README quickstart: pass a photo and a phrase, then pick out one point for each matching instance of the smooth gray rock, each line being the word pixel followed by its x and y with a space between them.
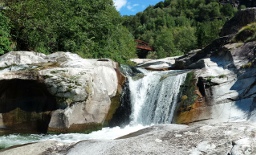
pixel 199 139
pixel 221 138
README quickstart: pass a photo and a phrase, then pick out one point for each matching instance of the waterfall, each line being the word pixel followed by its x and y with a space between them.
pixel 150 98
pixel 154 96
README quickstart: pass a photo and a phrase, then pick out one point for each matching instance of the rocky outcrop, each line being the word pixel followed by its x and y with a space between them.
pixel 225 88
pixel 221 138
pixel 156 65
pixel 75 93
pixel 226 81
pixel 241 19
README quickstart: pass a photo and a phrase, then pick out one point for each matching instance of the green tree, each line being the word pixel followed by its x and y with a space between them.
pixel 188 23
pixel 5 43
pixel 227 10
pixel 79 26
pixel 164 44
pixel 184 38
pixel 120 45
pixel 207 32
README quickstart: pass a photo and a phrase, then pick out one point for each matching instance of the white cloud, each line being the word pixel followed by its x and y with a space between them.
pixel 119 4
pixel 131 7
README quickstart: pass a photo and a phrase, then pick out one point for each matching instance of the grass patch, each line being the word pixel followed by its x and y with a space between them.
pixel 248 65
pixel 222 76
pixel 246 33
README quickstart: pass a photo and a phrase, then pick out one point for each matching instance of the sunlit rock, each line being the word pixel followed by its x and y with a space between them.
pixel 46 147
pixel 225 81
pixel 223 88
pixel 207 139
pixel 157 65
pixel 79 89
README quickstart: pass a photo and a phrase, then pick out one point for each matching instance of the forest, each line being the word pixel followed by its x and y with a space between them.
pixel 94 29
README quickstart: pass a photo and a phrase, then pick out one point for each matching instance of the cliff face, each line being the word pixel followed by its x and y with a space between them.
pixel 225 87
pixel 62 90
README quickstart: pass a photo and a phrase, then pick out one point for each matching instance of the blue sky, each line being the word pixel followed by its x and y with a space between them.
pixel 131 7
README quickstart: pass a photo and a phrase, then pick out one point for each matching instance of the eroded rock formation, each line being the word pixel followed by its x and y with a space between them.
pixel 74 94
pixel 224 71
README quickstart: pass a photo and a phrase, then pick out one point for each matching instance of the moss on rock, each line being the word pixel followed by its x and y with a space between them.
pixel 115 103
pixel 246 33
pixel 191 99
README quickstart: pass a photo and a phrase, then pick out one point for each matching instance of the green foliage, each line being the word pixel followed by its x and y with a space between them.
pixel 222 76
pixel 152 55
pixel 174 27
pixel 246 33
pixel 5 43
pixel 248 3
pixel 90 28
pixel 247 65
pixel 120 45
pixel 188 96
pixel 184 38
pixel 207 31
pixel 209 78
pixel 164 44
pixel 94 29
pixel 227 10
pixel 242 7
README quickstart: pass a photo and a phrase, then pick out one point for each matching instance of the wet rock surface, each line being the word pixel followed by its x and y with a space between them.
pixel 221 138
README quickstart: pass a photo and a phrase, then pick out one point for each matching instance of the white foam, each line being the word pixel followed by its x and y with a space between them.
pixel 105 133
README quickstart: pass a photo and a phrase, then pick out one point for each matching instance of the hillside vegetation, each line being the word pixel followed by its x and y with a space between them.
pixel 94 29
pixel 178 26
pixel 90 28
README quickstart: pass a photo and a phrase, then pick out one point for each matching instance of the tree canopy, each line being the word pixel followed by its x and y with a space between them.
pixel 5 42
pixel 94 29
pixel 175 27
pixel 86 27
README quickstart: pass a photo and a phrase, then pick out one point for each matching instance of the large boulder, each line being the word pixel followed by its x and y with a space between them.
pixel 224 85
pixel 223 78
pixel 75 93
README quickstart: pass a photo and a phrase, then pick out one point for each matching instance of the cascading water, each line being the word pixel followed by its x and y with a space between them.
pixel 154 96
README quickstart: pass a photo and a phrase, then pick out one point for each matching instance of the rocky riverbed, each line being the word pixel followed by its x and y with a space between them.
pixel 237 138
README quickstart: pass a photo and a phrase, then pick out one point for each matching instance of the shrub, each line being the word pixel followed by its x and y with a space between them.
pixel 5 43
